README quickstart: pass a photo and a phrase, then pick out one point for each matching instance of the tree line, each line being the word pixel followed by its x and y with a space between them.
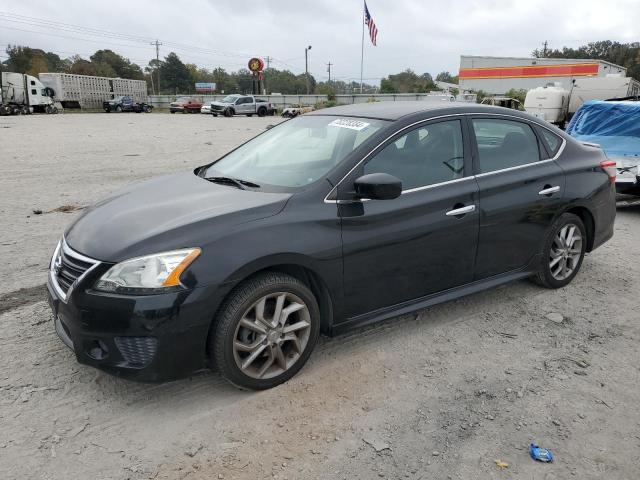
pixel 175 76
pixel 624 54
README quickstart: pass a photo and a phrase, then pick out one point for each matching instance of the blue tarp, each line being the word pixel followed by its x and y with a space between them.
pixel 615 126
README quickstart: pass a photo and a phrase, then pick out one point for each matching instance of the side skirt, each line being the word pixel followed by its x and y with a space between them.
pixel 434 299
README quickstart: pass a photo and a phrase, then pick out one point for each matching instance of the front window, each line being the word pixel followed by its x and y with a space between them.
pixel 427 155
pixel 183 100
pixel 230 99
pixel 297 152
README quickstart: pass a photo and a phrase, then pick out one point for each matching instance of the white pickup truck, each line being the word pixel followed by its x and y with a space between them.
pixel 242 105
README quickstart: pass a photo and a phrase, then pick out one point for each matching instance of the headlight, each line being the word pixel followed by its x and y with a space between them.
pixel 150 274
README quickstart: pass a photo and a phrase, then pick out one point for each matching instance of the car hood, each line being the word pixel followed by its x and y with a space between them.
pixel 614 146
pixel 166 213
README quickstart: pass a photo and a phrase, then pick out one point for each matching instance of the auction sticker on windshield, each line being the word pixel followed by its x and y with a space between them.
pixel 349 123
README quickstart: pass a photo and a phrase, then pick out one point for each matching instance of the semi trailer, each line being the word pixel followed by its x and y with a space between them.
pixel 85 91
pixel 22 94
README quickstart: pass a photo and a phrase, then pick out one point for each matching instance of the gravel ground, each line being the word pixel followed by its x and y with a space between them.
pixel 441 394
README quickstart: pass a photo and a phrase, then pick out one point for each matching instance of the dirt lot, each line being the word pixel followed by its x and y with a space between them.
pixel 442 394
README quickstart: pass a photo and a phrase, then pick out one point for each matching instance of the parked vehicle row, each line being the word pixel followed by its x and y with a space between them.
pixel 332 220
pixel 125 103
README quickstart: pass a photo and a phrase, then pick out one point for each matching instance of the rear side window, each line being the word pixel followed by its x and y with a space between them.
pixel 504 144
pixel 552 140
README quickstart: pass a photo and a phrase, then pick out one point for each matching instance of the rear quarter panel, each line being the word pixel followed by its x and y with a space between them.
pixel 587 185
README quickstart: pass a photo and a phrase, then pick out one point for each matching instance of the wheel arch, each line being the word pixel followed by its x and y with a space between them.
pixel 299 267
pixel 585 214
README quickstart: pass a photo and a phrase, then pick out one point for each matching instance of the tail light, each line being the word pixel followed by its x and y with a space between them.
pixel 609 167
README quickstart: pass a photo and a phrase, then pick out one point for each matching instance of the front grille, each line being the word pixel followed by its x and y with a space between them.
pixel 67 267
pixel 137 351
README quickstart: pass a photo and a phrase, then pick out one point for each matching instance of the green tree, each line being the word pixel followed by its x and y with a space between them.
pixel 174 75
pixel 517 94
pixel 122 67
pixel 224 82
pixel 80 66
pixel 446 77
pixel 407 82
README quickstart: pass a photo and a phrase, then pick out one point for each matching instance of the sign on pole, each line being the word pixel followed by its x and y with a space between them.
pixel 205 87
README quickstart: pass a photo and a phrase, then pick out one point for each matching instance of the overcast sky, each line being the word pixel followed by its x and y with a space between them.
pixel 426 36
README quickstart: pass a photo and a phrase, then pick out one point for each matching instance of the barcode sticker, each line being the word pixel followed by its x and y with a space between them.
pixel 349 123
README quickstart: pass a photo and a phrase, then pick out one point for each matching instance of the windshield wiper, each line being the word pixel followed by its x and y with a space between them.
pixel 241 184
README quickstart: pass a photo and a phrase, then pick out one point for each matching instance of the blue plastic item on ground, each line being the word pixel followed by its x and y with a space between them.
pixel 540 454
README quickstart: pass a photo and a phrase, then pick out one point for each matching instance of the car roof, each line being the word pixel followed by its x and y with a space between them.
pixel 388 110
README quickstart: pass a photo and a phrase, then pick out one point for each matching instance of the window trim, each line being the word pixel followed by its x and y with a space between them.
pixel 544 141
pixel 463 116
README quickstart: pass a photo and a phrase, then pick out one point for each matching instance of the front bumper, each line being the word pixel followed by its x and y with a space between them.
pixel 146 338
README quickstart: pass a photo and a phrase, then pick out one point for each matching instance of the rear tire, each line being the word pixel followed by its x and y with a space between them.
pixel 563 252
pixel 251 341
pixel 262 112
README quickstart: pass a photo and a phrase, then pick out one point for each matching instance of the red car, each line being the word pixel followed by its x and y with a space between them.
pixel 185 105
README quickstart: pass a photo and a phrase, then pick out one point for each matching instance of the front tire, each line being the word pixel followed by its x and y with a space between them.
pixel 228 112
pixel 119 109
pixel 563 252
pixel 265 331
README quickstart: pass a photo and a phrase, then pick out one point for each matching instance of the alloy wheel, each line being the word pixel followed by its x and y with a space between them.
pixel 271 335
pixel 566 251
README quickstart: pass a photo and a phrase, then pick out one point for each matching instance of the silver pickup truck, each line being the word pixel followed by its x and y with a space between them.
pixel 242 105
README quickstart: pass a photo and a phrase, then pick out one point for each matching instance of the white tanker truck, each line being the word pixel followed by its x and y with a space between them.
pixel 557 105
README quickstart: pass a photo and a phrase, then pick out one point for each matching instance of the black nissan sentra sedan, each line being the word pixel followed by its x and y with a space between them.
pixel 333 220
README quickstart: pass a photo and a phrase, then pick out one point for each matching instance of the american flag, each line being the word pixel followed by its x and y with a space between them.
pixel 373 30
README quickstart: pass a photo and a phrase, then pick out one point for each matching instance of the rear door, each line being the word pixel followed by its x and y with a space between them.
pixel 401 249
pixel 520 191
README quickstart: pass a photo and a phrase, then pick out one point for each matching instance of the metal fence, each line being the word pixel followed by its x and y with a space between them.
pixel 163 101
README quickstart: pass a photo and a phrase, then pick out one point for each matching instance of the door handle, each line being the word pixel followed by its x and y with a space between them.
pixel 549 190
pixel 461 211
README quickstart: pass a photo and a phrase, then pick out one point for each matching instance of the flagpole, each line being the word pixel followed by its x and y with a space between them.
pixel 362 47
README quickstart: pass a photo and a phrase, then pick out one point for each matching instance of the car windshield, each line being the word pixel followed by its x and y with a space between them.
pixel 183 99
pixel 296 152
pixel 230 99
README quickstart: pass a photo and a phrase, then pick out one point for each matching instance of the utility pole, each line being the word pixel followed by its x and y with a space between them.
pixel 544 50
pixel 306 66
pixel 329 70
pixel 157 43
pixel 268 58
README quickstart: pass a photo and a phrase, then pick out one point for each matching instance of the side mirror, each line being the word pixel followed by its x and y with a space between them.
pixel 378 186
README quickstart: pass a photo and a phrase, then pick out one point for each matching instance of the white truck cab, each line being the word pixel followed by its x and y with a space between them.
pixel 23 94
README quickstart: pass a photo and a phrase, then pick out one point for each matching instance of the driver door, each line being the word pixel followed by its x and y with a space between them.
pixel 398 250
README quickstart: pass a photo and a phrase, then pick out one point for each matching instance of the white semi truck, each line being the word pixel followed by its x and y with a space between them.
pixel 557 105
pixel 85 91
pixel 22 94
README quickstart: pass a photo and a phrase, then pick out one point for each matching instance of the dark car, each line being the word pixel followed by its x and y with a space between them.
pixel 125 103
pixel 330 221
